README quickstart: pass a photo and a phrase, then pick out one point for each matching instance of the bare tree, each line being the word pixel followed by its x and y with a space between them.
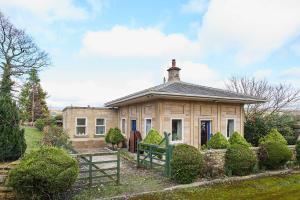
pixel 18 53
pixel 281 96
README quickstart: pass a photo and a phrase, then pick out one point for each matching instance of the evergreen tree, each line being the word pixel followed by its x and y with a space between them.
pixel 12 141
pixel 32 99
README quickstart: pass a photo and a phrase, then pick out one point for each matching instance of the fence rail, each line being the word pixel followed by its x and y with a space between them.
pixel 155 156
pixel 95 168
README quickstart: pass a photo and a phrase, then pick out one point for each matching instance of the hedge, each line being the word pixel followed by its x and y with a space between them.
pixel 218 141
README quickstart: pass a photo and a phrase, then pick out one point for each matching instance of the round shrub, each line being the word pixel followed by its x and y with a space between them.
pixel 40 124
pixel 236 138
pixel 273 136
pixel 240 160
pixel 274 155
pixel 43 174
pixel 114 136
pixel 153 137
pixel 186 163
pixel 298 151
pixel 218 141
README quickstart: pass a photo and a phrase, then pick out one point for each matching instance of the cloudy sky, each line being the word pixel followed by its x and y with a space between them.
pixel 103 49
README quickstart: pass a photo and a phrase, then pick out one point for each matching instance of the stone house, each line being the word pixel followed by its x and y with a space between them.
pixel 191 113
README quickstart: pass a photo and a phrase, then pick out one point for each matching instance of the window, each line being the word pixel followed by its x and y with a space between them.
pixel 230 127
pixel 100 126
pixel 81 126
pixel 177 130
pixel 123 126
pixel 148 125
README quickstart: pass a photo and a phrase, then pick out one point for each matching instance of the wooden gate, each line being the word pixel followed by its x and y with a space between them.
pixel 98 168
pixel 156 156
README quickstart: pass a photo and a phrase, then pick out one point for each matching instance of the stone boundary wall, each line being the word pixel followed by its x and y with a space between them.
pixel 214 160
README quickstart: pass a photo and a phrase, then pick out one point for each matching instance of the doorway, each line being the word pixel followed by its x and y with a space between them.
pixel 205 131
pixel 133 125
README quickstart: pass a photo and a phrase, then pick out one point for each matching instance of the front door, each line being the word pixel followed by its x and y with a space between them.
pixel 205 131
pixel 133 125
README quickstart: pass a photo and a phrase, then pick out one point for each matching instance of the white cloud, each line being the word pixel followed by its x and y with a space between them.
pixel 262 73
pixel 48 9
pixel 121 41
pixel 250 29
pixel 293 72
pixel 195 6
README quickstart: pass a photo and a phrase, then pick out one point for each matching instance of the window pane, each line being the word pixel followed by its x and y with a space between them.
pixel 148 125
pixel 230 127
pixel 176 129
pixel 81 121
pixel 100 121
pixel 100 130
pixel 80 130
pixel 123 125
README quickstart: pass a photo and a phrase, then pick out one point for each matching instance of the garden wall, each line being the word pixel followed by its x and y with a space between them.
pixel 214 160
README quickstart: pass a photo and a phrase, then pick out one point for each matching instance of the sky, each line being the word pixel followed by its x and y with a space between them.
pixel 104 49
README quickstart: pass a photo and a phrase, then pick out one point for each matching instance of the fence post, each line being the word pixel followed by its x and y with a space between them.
pixel 90 171
pixel 138 153
pixel 118 167
pixel 150 156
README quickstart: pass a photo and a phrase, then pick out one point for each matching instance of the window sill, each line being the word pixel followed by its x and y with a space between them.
pixel 99 136
pixel 80 136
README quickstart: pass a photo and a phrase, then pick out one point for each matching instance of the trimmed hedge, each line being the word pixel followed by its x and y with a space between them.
pixel 186 163
pixel 240 160
pixel 114 136
pixel 44 174
pixel 218 141
pixel 274 155
pixel 273 136
pixel 237 138
pixel 153 137
pixel 298 151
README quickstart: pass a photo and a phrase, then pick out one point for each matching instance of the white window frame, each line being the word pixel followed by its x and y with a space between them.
pixel 227 126
pixel 145 123
pixel 86 127
pixel 122 126
pixel 100 125
pixel 182 131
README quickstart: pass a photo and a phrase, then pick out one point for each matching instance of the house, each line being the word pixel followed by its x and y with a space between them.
pixel 191 113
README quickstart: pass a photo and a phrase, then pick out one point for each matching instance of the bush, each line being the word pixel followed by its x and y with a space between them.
pixel 298 151
pixel 114 136
pixel 12 140
pixel 186 163
pixel 274 155
pixel 236 138
pixel 153 137
pixel 218 141
pixel 240 160
pixel 40 124
pixel 55 136
pixel 43 174
pixel 273 136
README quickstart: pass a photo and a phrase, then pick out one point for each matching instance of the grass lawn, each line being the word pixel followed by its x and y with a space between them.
pixel 279 187
pixel 33 137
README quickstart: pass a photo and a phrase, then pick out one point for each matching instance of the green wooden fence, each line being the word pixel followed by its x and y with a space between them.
pixel 92 170
pixel 156 156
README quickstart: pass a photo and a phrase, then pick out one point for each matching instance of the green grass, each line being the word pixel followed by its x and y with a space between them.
pixel 279 187
pixel 33 137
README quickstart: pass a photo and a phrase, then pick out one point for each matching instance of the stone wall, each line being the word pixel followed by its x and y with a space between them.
pixel 214 160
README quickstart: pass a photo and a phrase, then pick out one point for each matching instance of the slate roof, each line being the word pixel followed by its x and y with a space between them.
pixel 184 89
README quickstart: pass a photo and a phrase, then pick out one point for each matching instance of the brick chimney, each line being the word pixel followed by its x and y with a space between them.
pixel 173 72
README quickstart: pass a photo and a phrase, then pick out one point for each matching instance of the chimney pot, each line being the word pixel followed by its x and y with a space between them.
pixel 173 72
pixel 173 63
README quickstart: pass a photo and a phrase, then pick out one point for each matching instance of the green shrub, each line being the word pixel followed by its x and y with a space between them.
pixel 186 163
pixel 12 140
pixel 240 160
pixel 298 151
pixel 218 141
pixel 274 154
pixel 114 137
pixel 55 136
pixel 44 174
pixel 40 124
pixel 273 136
pixel 236 138
pixel 153 137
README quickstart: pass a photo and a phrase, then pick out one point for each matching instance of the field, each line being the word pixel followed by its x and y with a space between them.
pixel 33 137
